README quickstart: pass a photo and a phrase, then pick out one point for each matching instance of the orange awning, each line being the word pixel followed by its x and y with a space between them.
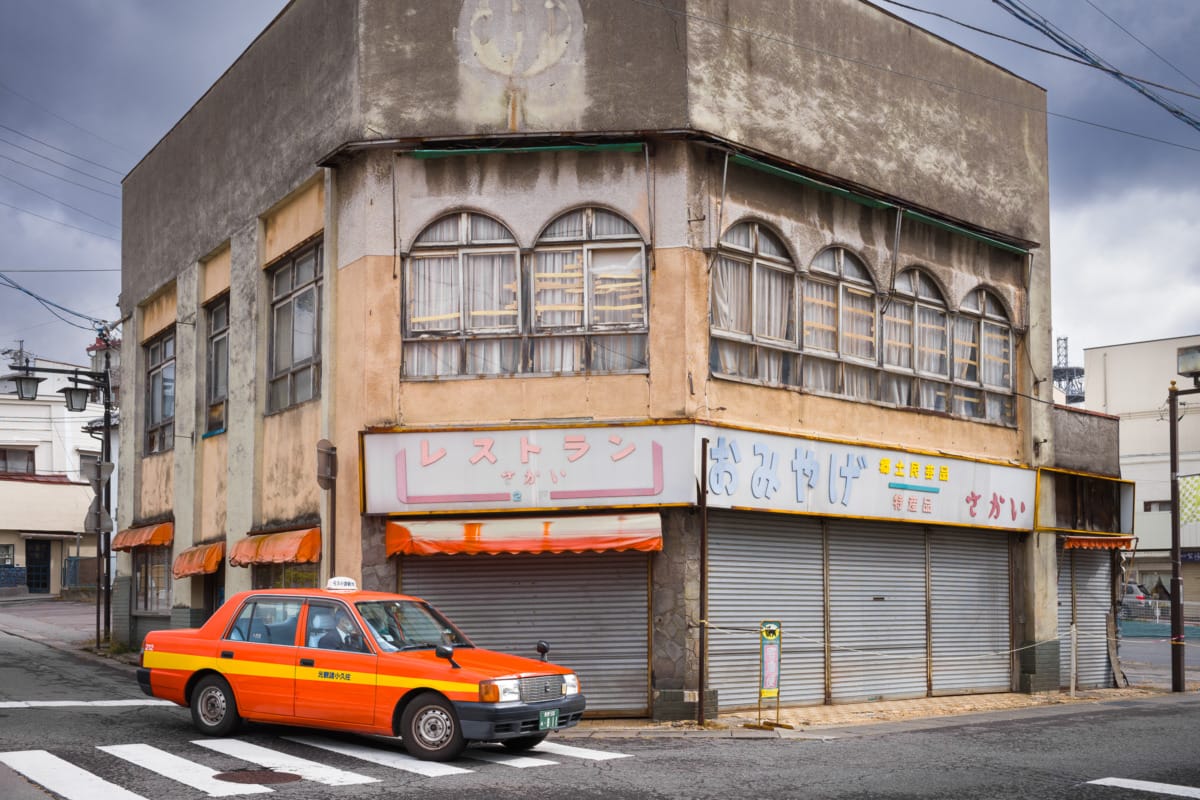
pixel 149 536
pixel 203 559
pixel 529 535
pixel 1098 543
pixel 291 547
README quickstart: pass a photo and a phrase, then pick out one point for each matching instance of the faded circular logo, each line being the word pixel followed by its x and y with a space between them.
pixel 519 38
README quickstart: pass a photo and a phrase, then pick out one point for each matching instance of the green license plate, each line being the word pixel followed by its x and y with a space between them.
pixel 548 719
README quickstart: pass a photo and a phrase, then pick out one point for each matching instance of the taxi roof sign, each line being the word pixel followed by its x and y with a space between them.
pixel 342 584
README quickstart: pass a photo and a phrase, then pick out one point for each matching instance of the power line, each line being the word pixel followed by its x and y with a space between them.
pixel 59 269
pixel 61 118
pixel 59 177
pixel 891 71
pixel 56 221
pixel 60 202
pixel 54 307
pixel 1148 47
pixel 114 184
pixel 60 150
pixel 1044 50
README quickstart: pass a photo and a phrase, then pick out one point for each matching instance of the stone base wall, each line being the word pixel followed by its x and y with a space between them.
pixel 1040 668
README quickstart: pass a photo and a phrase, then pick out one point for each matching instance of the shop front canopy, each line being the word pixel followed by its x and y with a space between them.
pixel 148 536
pixel 289 547
pixel 1097 542
pixel 595 533
pixel 203 559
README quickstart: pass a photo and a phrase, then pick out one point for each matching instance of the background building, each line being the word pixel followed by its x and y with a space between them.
pixel 624 345
pixel 1131 381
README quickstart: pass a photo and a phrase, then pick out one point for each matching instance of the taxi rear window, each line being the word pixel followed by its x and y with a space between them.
pixel 266 621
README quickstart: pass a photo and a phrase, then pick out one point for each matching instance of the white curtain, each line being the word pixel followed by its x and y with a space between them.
pixel 966 349
pixel 558 354
pixel 433 291
pixel 617 286
pixel 620 353
pixel 931 341
pixel 731 295
pixel 968 402
pixel 430 359
pixel 858 323
pixel 821 375
pixel 997 355
pixel 443 231
pixel 490 292
pixel 558 289
pixel 492 356
pixel 862 383
pixel 896 389
pixel 933 395
pixel 568 226
pixel 820 316
pixel 486 229
pixel 609 224
pixel 774 304
pixel 898 336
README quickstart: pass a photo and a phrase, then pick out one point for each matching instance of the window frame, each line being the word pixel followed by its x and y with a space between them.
pixel 30 454
pixel 216 395
pixel 8 554
pixel 151 591
pixel 160 430
pixel 308 366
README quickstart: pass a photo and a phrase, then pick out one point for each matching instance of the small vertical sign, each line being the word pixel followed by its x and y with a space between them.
pixel 770 636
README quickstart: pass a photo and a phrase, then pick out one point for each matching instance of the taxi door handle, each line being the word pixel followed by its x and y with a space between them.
pixel 226 654
pixel 306 662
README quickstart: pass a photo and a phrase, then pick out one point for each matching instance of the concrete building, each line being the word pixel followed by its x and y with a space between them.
pixel 43 492
pixel 620 325
pixel 1131 381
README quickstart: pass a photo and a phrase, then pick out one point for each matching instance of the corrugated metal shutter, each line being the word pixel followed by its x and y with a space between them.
pixel 876 611
pixel 1093 596
pixel 591 607
pixel 764 567
pixel 969 606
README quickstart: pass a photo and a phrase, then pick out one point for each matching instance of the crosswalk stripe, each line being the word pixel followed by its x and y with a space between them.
pixel 1149 786
pixel 273 759
pixel 82 703
pixel 179 769
pixel 62 777
pixel 498 757
pixel 554 748
pixel 378 755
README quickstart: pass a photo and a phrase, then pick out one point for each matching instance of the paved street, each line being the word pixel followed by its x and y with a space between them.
pixel 75 726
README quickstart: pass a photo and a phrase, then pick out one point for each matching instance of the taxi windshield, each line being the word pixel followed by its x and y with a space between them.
pixel 409 625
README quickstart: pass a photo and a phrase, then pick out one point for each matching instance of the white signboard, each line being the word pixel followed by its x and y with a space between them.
pixel 538 468
pixel 649 465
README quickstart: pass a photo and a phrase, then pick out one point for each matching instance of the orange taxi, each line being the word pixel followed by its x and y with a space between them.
pixel 369 662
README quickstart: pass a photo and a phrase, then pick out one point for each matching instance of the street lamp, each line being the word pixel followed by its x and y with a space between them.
pixel 1188 365
pixel 83 383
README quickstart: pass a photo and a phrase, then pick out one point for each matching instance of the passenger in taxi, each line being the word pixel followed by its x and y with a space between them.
pixel 344 636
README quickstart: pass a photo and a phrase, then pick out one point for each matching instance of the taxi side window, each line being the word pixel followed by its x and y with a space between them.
pixel 267 621
pixel 331 627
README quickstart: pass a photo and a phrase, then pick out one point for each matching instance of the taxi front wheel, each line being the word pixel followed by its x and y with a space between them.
pixel 214 711
pixel 429 729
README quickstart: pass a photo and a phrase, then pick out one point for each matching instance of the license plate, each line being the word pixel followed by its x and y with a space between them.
pixel 548 719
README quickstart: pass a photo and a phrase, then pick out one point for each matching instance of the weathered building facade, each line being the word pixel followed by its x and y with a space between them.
pixel 629 326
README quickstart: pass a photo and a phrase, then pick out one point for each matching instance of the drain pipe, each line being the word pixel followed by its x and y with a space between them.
pixel 702 682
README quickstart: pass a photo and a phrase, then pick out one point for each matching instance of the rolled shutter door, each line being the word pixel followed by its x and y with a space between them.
pixel 764 567
pixel 876 612
pixel 591 607
pixel 1093 600
pixel 971 623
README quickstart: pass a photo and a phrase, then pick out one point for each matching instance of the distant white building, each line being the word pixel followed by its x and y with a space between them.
pixel 1131 381
pixel 43 491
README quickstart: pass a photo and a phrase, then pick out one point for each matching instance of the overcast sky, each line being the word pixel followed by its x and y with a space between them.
pixel 93 84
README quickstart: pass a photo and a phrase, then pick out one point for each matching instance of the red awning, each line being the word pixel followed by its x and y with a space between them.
pixel 528 535
pixel 1098 543
pixel 203 559
pixel 292 547
pixel 149 536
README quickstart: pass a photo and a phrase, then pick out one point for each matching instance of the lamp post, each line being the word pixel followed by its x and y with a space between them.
pixel 1189 367
pixel 83 383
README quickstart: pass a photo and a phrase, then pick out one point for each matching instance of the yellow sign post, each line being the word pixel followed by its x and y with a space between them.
pixel 770 645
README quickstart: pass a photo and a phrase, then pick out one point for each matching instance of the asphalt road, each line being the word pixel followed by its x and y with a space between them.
pixel 63 724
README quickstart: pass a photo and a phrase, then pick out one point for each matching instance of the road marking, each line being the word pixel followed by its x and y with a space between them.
pixel 282 762
pixel 554 748
pixel 1148 786
pixel 79 703
pixel 62 777
pixel 381 756
pixel 499 757
pixel 179 769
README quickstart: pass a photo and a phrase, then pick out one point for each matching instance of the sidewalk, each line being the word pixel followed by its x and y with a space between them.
pixel 71 626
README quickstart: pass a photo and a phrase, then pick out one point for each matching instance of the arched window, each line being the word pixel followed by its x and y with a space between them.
pixel 462 309
pixel 983 379
pixel 588 285
pixel 753 308
pixel 839 326
pixel 916 344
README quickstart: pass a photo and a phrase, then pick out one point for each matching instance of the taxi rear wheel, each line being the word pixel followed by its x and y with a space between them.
pixel 525 742
pixel 429 729
pixel 214 710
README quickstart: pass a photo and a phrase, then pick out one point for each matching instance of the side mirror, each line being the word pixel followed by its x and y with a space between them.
pixel 447 652
pixel 543 647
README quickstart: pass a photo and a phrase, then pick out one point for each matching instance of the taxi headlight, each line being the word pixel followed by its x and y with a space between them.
pixel 499 691
pixel 570 684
